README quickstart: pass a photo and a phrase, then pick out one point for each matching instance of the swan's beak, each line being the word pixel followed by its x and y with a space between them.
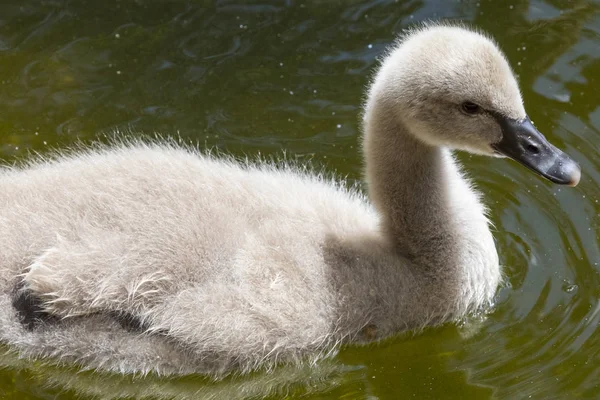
pixel 522 142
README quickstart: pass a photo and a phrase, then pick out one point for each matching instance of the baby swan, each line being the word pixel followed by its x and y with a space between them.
pixel 151 257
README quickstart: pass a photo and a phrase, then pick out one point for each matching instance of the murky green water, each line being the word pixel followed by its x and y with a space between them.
pixel 290 75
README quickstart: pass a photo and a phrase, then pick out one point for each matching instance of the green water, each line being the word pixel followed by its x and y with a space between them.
pixel 267 77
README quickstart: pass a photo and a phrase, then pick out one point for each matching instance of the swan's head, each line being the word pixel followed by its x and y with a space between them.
pixel 453 87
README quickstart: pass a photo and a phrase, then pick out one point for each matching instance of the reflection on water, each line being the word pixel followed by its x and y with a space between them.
pixel 290 75
pixel 281 382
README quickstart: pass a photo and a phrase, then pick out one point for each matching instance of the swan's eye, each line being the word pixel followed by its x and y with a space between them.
pixel 470 108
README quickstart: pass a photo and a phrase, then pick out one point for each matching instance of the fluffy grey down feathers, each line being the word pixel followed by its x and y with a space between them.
pixel 154 257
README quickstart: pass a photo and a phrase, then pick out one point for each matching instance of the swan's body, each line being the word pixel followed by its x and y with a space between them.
pixel 157 258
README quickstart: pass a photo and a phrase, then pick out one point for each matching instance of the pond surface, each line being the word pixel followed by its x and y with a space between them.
pixel 269 77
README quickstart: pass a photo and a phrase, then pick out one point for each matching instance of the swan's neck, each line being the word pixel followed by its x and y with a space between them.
pixel 406 184
pixel 429 212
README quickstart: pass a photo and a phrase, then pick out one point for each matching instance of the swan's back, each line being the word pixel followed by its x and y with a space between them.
pixel 157 192
pixel 247 237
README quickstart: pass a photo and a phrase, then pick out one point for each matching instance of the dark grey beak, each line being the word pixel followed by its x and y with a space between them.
pixel 522 142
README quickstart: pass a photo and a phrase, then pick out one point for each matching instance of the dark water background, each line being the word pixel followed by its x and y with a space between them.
pixel 289 75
